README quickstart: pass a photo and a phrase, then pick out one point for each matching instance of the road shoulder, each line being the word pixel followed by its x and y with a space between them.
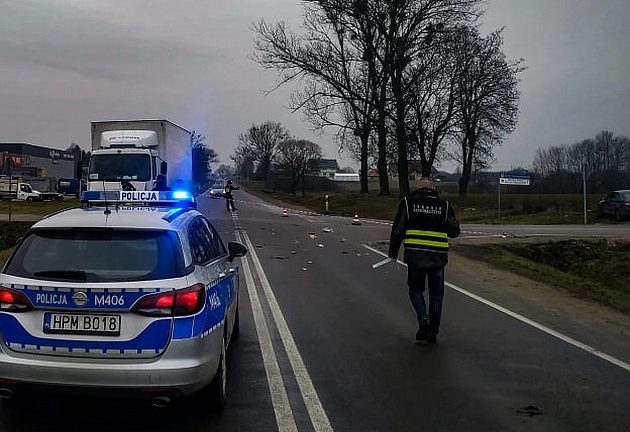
pixel 595 325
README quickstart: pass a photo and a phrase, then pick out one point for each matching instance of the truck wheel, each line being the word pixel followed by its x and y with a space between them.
pixel 29 199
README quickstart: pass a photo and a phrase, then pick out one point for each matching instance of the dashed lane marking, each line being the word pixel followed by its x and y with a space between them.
pixel 545 329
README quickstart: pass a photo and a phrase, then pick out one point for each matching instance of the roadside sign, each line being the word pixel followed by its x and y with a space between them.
pixel 514 180
pixel 511 180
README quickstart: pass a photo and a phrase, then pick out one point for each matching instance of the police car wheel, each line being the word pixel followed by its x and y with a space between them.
pixel 218 386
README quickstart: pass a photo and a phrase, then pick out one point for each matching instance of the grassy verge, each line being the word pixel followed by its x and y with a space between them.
pixel 4 255
pixel 9 235
pixel 597 270
pixel 37 208
pixel 478 208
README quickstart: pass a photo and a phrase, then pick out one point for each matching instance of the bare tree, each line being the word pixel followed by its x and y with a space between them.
pixel 412 25
pixel 336 58
pixel 202 159
pixel 296 156
pixel 260 143
pixel 488 96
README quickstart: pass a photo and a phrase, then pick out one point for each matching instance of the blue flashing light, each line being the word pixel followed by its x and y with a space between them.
pixel 181 195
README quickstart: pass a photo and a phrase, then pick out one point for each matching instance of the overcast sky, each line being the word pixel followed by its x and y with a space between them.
pixel 64 63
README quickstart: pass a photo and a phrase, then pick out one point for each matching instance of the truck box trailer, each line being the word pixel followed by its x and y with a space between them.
pixel 136 152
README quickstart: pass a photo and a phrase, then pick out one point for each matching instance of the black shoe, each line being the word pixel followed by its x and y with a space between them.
pixel 421 336
pixel 423 328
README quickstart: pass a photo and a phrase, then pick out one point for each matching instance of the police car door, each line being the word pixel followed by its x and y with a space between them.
pixel 213 270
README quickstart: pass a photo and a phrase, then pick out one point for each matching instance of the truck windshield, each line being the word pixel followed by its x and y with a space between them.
pixel 98 255
pixel 117 167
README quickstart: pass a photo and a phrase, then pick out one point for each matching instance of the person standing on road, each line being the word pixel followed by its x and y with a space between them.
pixel 229 198
pixel 160 184
pixel 424 222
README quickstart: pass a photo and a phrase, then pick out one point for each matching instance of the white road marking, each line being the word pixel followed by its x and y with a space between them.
pixel 316 412
pixel 279 399
pixel 567 339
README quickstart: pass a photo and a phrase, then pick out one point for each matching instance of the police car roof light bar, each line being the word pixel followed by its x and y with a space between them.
pixel 180 199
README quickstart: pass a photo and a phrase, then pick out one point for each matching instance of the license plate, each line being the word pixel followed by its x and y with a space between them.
pixel 62 323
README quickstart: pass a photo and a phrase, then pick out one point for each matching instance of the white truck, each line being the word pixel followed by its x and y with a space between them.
pixel 15 188
pixel 136 152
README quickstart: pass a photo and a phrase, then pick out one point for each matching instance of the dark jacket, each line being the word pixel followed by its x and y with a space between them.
pixel 227 191
pixel 441 217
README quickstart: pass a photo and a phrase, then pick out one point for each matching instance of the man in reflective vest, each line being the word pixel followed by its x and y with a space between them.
pixel 227 193
pixel 424 223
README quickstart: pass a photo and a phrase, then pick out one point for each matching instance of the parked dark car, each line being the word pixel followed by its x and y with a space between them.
pixel 617 204
pixel 70 186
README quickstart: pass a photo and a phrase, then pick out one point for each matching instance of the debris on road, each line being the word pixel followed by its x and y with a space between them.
pixel 530 411
pixel 309 262
pixel 344 253
pixel 279 258
pixel 328 230
pixel 312 235
pixel 343 240
pixel 304 269
pixel 259 246
pixel 319 245
pixel 293 252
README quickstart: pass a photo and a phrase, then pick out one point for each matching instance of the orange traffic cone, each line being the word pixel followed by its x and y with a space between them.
pixel 285 212
pixel 356 220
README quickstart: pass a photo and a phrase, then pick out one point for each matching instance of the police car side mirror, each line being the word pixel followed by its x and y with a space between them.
pixel 236 250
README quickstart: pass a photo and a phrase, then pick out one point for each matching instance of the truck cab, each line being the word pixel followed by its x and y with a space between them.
pixel 126 157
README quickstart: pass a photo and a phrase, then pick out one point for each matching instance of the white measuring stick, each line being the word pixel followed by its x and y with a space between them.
pixel 382 263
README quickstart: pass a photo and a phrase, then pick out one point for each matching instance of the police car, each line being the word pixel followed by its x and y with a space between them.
pixel 135 293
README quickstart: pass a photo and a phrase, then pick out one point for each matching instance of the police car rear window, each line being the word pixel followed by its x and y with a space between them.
pixel 98 255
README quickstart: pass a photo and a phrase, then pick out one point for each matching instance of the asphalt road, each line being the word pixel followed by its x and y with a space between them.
pixel 327 343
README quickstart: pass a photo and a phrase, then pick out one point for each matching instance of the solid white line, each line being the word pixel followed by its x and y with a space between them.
pixel 279 399
pixel 316 412
pixel 567 339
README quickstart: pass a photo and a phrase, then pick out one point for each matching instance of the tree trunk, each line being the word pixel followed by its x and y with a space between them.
pixel 383 180
pixel 294 183
pixel 365 138
pixel 401 136
pixel 466 168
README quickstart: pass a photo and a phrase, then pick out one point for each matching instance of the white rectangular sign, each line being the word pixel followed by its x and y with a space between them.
pixel 141 196
pixel 514 181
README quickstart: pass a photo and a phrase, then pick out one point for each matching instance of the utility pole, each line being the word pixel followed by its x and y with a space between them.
pixel 584 189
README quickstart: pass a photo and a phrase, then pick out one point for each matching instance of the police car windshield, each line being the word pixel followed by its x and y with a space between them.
pixel 117 167
pixel 98 255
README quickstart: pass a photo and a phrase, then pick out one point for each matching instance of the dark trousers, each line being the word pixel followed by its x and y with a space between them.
pixel 229 201
pixel 416 279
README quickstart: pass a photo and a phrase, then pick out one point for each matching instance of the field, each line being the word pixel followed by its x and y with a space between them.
pixel 597 270
pixel 516 208
pixel 37 208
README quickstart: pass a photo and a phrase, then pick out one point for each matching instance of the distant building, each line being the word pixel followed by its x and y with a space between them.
pixel 34 161
pixel 326 168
